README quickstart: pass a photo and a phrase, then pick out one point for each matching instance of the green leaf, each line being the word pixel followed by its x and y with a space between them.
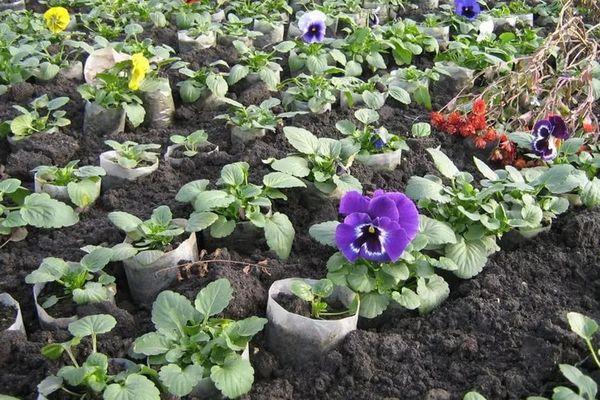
pixel 162 215
pixel 296 166
pixel 22 125
pixel 41 211
pixel 399 94
pixel 96 259
pixel 180 382
pixel 83 193
pixel 279 233
pixel 135 113
pixel 92 325
pixel 373 304
pixel 302 140
pixel 189 191
pixel 214 298
pixel 421 129
pixel 250 326
pixel 9 185
pixel 422 188
pixel 586 385
pixel 436 232
pixel 407 299
pixel 280 180
pixel 50 270
pixel 217 85
pixel 302 290
pixel 93 292
pixel 151 344
pixel 473 396
pixel 222 227
pixel 171 312
pixel 124 221
pixel 590 195
pixel 234 174
pixel 485 170
pixel 135 387
pixel 199 221
pixel 211 199
pixel 324 232
pixel 443 163
pixel 582 325
pixel 469 256
pixel 533 215
pixel 367 116
pixel 432 292
pixel 234 378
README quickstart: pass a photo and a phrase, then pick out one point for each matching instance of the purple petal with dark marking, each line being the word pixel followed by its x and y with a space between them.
pixel 560 129
pixel 353 202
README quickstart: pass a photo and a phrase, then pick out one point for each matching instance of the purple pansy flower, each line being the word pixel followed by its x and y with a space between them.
pixel 545 133
pixel 380 137
pixel 467 8
pixel 312 25
pixel 377 228
pixel 374 17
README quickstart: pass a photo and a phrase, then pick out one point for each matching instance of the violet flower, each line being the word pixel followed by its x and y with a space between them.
pixel 469 9
pixel 312 25
pixel 545 133
pixel 374 17
pixel 377 228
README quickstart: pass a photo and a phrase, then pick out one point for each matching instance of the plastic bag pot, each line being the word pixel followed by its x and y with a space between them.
pixel 206 388
pixel 512 22
pixel 100 121
pixel 210 102
pixel 227 41
pixel 12 5
pixel 253 78
pixel 73 72
pixel 439 33
pixel 177 161
pixel 58 192
pixel 459 80
pixel 22 144
pixel 219 16
pixel 188 43
pixel 271 34
pixel 357 100
pixel 297 105
pixel 381 10
pixel 17 324
pixel 243 136
pixel 49 322
pixel 159 105
pixel 381 162
pixel 296 339
pixel 147 281
pixel 244 239
pixel 100 60
pixel 115 172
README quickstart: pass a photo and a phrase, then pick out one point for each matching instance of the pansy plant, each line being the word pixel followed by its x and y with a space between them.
pixel 202 82
pixel 45 116
pixel 355 91
pixel 547 135
pixel 238 28
pixel 312 26
pixel 406 41
pixel 261 64
pixel 191 143
pixel 379 243
pixel 93 377
pixel 132 155
pixel 257 117
pixel 368 138
pixel 316 295
pixel 148 240
pixel 82 184
pixel 323 161
pixel 468 9
pixel 407 85
pixel 363 46
pixel 83 282
pixel 315 92
pixel 307 57
pixel 191 343
pixel 238 200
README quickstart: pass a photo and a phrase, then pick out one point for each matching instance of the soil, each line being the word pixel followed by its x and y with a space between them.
pixel 298 306
pixel 64 308
pixel 502 333
pixel 7 316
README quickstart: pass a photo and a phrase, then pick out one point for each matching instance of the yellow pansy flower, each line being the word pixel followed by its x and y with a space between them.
pixel 57 19
pixel 141 66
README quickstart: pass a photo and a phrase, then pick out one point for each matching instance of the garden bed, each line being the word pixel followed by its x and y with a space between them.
pixel 502 333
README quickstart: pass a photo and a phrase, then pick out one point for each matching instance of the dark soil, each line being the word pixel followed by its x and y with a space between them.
pixel 502 333
pixel 301 307
pixel 7 316
pixel 64 308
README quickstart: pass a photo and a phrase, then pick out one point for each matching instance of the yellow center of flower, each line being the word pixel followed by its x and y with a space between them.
pixel 57 19
pixel 371 229
pixel 140 67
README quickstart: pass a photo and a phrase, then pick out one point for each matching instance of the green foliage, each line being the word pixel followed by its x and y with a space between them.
pixel 261 63
pixel 256 117
pixel 317 91
pixel 412 84
pixel 45 116
pixel 363 46
pixel 237 200
pixel 323 161
pixel 203 81
pixel 191 344
pixel 406 41
pixel 132 155
pixel 316 294
pixel 192 142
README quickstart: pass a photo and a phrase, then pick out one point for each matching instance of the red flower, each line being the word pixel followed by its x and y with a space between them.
pixel 437 120
pixel 490 135
pixel 467 130
pixel 479 107
pixel 454 118
pixel 480 142
pixel 588 127
pixel 450 129
pixel 478 122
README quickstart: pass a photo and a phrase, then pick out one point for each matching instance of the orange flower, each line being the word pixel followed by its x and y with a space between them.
pixel 467 130
pixel 496 155
pixel 490 135
pixel 480 142
pixel 437 120
pixel 478 121
pixel 479 107
pixel 454 118
pixel 588 127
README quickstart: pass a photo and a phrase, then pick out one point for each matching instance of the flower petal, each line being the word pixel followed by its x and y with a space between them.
pixel 353 202
pixel 309 18
pixel 393 238
pixel 560 129
pixel 545 148
pixel 542 129
pixel 383 206
pixel 347 233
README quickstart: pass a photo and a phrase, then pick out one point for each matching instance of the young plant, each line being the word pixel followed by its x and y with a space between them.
pixel 91 378
pixel 307 57
pixel 17 62
pixel 238 200
pixel 316 294
pixel 116 88
pixel 200 83
pixel 238 28
pixel 412 84
pixel 45 117
pixel 150 239
pixel 83 183
pixel 369 139
pixel 258 63
pixel 380 254
pixel 190 344
pixel 256 117
pixel 19 208
pixel 354 90
pixel 192 142
pixel 132 155
pixel 317 92
pixel 362 46
pixel 83 282
pixel 406 41
pixel 323 161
